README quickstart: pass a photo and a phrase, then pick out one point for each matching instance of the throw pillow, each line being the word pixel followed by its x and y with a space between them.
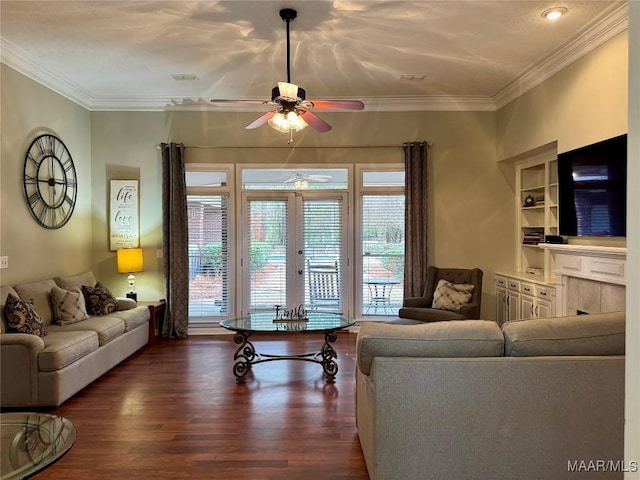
pixel 22 316
pixel 451 296
pixel 68 305
pixel 99 299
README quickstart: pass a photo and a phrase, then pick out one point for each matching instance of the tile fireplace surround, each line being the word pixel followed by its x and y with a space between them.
pixel 590 279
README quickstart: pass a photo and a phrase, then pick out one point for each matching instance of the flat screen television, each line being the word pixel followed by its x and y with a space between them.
pixel 592 189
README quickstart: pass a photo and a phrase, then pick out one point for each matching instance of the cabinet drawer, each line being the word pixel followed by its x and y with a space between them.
pixel 513 285
pixel 527 288
pixel 501 282
pixel 545 292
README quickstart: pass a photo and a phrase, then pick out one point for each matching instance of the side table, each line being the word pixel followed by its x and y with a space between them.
pixel 156 314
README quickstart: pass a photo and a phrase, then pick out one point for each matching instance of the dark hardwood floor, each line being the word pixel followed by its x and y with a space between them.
pixel 174 410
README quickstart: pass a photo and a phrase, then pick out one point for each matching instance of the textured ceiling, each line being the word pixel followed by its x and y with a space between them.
pixel 118 53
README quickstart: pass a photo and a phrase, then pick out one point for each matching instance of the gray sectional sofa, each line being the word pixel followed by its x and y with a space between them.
pixel 470 400
pixel 45 371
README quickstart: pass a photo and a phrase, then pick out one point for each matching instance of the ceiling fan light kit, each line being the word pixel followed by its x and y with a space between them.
pixel 292 112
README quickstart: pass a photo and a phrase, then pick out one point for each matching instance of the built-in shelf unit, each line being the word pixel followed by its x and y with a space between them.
pixel 536 211
pixel 529 291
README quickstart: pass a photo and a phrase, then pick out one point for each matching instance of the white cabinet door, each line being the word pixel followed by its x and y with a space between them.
pixel 513 306
pixel 501 305
pixel 527 307
pixel 544 309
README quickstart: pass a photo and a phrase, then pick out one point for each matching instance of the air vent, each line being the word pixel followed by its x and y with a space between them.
pixel 412 76
pixel 184 77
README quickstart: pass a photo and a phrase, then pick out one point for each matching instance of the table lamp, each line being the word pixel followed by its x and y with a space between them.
pixel 130 260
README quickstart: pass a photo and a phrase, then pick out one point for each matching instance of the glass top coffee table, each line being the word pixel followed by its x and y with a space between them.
pixel 246 355
pixel 31 442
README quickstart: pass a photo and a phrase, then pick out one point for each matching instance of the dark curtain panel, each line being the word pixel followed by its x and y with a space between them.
pixel 416 194
pixel 175 238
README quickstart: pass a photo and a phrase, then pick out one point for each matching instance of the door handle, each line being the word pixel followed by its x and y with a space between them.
pixel 300 272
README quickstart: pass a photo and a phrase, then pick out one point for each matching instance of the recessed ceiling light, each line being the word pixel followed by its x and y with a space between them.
pixel 554 13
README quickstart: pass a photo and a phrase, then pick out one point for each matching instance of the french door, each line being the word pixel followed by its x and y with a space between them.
pixel 293 250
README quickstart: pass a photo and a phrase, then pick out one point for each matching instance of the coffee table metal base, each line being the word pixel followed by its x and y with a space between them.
pixel 246 356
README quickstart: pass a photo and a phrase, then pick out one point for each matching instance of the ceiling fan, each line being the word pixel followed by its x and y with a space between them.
pixel 302 177
pixel 292 111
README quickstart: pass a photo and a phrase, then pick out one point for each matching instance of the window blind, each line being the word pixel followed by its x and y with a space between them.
pixel 208 223
pixel 323 240
pixel 382 246
pixel 266 253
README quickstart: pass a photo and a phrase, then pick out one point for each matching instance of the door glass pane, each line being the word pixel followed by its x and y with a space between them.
pixel 208 217
pixel 322 236
pixel 294 179
pixel 382 254
pixel 383 179
pixel 266 253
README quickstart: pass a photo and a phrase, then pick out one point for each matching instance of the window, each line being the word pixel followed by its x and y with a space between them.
pixel 382 205
pixel 259 239
pixel 208 211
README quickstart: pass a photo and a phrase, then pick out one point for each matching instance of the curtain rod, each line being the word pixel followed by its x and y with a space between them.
pixel 429 144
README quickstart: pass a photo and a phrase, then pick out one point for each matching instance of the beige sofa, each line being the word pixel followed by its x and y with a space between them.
pixel 469 400
pixel 45 371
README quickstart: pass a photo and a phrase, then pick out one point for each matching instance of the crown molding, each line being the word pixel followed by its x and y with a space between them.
pixel 609 26
pixel 615 22
pixel 17 59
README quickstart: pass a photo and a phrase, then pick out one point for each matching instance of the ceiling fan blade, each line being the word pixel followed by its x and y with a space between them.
pixel 245 102
pixel 316 122
pixel 261 120
pixel 319 178
pixel 336 105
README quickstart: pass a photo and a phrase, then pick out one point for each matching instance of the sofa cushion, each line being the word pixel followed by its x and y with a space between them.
pixel 39 293
pixel 64 348
pixel 105 326
pixel 451 296
pixel 596 334
pixel 428 314
pixel 5 290
pixel 68 305
pixel 133 317
pixel 99 299
pixel 457 338
pixel 126 303
pixel 69 282
pixel 22 317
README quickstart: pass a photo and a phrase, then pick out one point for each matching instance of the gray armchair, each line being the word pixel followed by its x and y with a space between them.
pixel 418 309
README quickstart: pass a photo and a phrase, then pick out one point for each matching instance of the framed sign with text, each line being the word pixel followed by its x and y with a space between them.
pixel 124 222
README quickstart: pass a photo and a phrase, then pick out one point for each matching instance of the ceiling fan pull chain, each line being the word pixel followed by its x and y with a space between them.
pixel 290 142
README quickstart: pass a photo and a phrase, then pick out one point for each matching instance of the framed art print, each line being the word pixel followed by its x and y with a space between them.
pixel 124 221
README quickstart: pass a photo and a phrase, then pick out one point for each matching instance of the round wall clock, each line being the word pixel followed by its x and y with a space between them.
pixel 50 183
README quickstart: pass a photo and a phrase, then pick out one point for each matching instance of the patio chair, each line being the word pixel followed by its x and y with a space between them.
pixel 324 285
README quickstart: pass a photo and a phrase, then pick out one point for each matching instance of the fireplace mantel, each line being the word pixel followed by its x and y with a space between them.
pixel 587 250
pixel 604 265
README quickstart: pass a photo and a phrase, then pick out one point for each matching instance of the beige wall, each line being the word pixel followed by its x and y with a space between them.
pixel 28 108
pixel 582 104
pixel 632 371
pixel 470 213
pixel 124 148
pixel 470 217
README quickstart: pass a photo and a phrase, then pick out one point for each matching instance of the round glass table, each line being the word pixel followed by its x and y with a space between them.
pixel 30 442
pixel 265 322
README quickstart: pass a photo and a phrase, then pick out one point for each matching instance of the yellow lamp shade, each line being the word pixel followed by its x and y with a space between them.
pixel 130 260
